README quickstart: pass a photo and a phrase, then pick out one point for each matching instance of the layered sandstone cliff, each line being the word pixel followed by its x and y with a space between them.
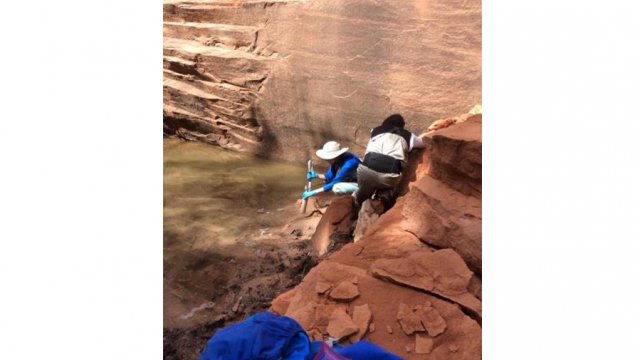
pixel 412 283
pixel 281 77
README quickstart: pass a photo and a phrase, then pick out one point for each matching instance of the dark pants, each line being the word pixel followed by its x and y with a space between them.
pixel 369 181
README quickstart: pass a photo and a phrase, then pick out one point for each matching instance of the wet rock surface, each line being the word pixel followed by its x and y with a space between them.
pixel 248 288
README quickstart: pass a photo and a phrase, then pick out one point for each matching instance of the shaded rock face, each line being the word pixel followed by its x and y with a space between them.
pixel 416 270
pixel 279 78
pixel 335 227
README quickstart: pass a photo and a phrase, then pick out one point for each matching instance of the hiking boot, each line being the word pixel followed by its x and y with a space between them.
pixel 387 198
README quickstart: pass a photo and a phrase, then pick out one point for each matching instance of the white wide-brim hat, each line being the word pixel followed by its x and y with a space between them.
pixel 331 150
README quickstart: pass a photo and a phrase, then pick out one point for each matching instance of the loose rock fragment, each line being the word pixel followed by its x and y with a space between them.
pixel 424 344
pixel 421 270
pixel 409 322
pixel 431 319
pixel 453 348
pixel 357 250
pixel 323 315
pixel 372 327
pixel 402 272
pixel 361 317
pixel 304 316
pixel 236 306
pixel 389 329
pixel 280 304
pixel 340 325
pixel 346 290
pixel 441 124
pixel 322 287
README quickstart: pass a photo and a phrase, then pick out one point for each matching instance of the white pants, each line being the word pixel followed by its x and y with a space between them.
pixel 344 188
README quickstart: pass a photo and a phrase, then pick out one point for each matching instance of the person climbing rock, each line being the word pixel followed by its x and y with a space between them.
pixel 386 154
pixel 341 178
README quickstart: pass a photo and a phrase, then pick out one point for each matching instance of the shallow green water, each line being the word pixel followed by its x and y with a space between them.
pixel 218 205
pixel 212 195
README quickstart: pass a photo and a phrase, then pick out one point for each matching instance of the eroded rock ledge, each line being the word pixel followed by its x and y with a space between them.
pixel 412 283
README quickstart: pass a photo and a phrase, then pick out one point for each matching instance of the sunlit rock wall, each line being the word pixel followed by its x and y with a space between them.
pixel 279 78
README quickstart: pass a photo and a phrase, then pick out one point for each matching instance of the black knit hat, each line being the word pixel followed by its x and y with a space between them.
pixel 394 120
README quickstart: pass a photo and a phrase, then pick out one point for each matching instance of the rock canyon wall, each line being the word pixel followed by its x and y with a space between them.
pixel 281 77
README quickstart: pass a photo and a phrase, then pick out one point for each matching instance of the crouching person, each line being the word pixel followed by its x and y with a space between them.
pixel 341 178
pixel 387 153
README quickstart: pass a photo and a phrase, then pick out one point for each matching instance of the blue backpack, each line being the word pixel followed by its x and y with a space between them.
pixel 265 336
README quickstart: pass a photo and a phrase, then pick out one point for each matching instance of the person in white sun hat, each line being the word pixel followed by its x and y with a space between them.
pixel 342 176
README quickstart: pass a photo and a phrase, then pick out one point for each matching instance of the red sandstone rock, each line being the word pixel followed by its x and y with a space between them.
pixel 322 287
pixel 422 269
pixel 341 325
pixel 369 213
pixel 403 272
pixel 431 320
pixel 346 290
pixel 323 315
pixel 445 218
pixel 305 316
pixel 455 156
pixel 336 224
pixel 441 124
pixel 361 317
pixel 280 304
pixel 444 207
pixel 397 251
pixel 277 83
pixel 409 322
pixel 475 287
pixel 424 344
pixel 383 299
